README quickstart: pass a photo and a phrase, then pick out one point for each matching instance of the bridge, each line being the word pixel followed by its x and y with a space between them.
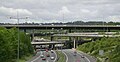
pixel 43 41
pixel 94 35
pixel 47 43
pixel 39 42
pixel 83 35
pixel 117 27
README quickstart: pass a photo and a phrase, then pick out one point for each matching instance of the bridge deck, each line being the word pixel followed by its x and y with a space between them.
pixel 44 43
pixel 75 35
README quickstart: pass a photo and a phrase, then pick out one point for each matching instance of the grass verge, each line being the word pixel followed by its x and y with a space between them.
pixel 26 58
pixel 60 56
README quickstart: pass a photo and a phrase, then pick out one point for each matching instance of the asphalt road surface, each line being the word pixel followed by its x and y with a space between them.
pixel 37 57
pixel 80 57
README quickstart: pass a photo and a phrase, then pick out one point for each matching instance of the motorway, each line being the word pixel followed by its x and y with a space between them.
pixel 37 57
pixel 78 58
pixel 69 53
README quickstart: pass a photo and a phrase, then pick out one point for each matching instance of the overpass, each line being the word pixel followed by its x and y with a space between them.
pixel 47 43
pixel 83 35
pixel 116 27
pixel 51 44
pixel 43 41
pixel 76 35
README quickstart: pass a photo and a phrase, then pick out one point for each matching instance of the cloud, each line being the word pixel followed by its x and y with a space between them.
pixel 85 10
pixel 51 11
pixel 65 10
pixel 11 11
pixel 114 18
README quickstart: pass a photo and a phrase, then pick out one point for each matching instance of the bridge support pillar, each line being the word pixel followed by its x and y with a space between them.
pixel 51 38
pixel 70 39
pixel 50 46
pixel 35 47
pixel 74 43
pixel 77 39
pixel 24 30
pixel 33 34
pixel 31 38
pixel 53 46
pixel 70 31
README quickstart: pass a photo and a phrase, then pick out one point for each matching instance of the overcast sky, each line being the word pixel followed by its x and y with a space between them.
pixel 60 10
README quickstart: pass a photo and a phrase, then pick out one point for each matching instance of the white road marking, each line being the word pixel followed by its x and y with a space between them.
pixel 55 55
pixel 36 58
pixel 66 56
pixel 85 57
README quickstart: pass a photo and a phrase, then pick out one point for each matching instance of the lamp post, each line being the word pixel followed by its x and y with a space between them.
pixel 60 38
pixel 103 26
pixel 18 47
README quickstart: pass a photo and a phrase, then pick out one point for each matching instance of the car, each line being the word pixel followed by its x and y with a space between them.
pixel 48 55
pixel 46 50
pixel 41 53
pixel 42 56
pixel 82 56
pixel 52 51
pixel 75 53
pixel 52 58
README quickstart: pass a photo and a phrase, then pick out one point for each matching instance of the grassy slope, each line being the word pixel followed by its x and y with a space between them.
pixel 109 45
pixel 61 56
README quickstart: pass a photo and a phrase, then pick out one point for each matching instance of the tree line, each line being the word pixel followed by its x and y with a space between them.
pixel 9 44
pixel 69 23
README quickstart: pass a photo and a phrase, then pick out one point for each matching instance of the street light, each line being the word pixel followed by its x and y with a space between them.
pixel 17 18
pixel 103 26
pixel 60 38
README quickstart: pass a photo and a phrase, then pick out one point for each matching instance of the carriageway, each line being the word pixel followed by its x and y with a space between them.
pixel 38 43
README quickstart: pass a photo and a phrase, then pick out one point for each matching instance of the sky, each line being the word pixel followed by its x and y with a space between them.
pixel 48 11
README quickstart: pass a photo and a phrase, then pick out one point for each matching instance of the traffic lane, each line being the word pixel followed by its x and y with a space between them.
pixel 39 59
pixel 34 58
pixel 88 57
pixel 72 58
pixel 51 55
pixel 83 57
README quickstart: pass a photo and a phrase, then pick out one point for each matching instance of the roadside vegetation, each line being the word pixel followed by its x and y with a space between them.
pixel 26 58
pixel 60 57
pixel 110 46
pixel 9 44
